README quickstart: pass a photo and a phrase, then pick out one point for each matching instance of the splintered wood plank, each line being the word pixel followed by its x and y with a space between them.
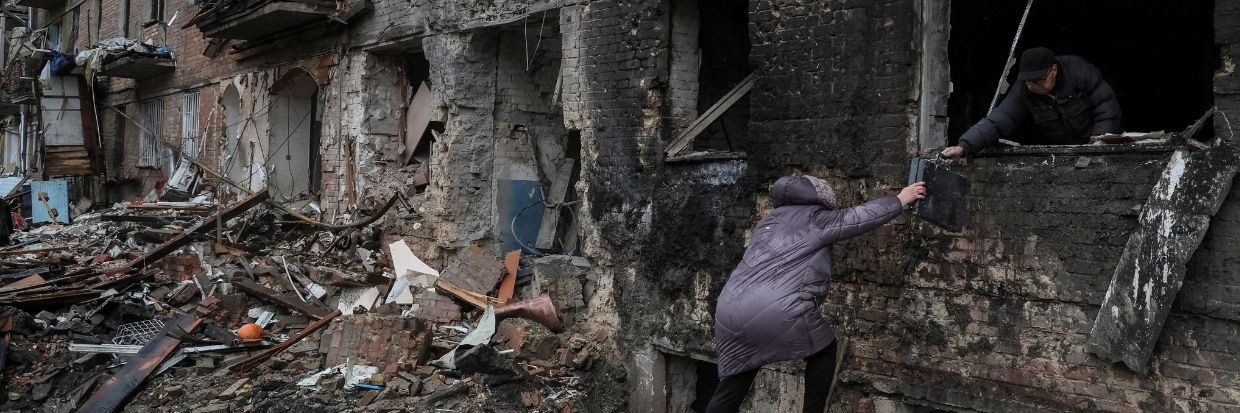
pixel 715 111
pixel 188 236
pixel 290 302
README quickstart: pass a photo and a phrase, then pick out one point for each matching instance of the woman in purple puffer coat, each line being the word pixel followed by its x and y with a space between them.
pixel 768 311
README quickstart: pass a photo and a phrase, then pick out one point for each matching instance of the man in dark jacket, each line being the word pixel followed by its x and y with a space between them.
pixel 768 311
pixel 1065 96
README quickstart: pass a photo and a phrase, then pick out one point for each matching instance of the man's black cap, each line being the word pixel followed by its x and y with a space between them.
pixel 1034 63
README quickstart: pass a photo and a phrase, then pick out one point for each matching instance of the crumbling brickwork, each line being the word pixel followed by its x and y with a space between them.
pixel 463 72
pixel 993 318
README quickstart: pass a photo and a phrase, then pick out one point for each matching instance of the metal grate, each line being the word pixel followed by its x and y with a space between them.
pixel 189 125
pixel 138 333
pixel 152 113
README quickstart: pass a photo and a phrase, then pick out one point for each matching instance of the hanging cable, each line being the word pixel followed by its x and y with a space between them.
pixel 1007 64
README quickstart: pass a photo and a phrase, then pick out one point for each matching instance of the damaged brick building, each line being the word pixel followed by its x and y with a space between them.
pixel 637 139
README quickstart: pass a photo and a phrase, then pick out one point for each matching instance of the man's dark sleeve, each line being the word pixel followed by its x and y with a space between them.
pixel 1106 108
pixel 1000 123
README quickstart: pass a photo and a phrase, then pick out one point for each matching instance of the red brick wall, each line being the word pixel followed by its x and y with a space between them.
pixel 194 72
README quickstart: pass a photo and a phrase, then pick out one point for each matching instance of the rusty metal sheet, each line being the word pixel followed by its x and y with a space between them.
pixel 115 391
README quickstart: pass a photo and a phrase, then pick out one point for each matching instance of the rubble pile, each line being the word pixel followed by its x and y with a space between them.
pixel 198 307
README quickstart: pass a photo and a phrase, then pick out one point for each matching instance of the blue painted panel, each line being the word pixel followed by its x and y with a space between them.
pixel 9 183
pixel 57 197
pixel 520 199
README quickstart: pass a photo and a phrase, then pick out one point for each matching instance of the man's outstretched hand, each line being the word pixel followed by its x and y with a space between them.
pixel 912 193
pixel 952 152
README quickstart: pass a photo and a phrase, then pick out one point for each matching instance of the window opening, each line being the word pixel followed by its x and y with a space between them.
pixel 709 57
pixel 148 140
pixel 189 125
pixel 157 11
pixel 1153 94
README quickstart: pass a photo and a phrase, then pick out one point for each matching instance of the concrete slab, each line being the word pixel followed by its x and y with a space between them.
pixel 1151 270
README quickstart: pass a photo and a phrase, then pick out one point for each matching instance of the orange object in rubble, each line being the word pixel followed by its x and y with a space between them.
pixel 250 332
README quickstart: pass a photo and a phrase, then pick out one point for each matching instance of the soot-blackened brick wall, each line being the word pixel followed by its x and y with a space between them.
pixel 833 86
pixel 1008 302
pixel 994 318
pixel 623 70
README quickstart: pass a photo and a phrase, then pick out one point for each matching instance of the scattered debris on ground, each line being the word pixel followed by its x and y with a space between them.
pixel 201 307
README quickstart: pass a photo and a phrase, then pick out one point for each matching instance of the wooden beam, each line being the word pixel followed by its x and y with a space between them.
pixel 188 236
pixel 285 300
pixel 141 219
pixel 34 251
pixel 59 297
pixel 477 299
pixel 708 117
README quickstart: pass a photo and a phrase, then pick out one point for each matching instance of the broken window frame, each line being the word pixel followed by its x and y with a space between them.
pixel 69 45
pixel 691 87
pixel 937 125
pixel 152 123
pixel 157 12
pixel 1001 151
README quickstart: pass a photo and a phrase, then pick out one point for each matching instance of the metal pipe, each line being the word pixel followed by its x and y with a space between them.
pixel 21 130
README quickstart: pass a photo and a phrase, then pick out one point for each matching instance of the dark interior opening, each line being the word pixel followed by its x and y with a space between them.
pixel 724 40
pixel 707 381
pixel 1158 55
pixel 316 157
pixel 417 69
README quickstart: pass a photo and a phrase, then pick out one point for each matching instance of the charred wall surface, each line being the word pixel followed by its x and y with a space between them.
pixel 991 319
pixel 834 86
pixel 1008 302
pixel 994 318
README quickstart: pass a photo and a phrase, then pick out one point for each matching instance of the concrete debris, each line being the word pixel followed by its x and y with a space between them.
pixel 478 336
pixel 1152 268
pixel 102 287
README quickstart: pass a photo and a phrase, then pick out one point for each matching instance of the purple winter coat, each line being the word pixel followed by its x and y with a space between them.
pixel 768 311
